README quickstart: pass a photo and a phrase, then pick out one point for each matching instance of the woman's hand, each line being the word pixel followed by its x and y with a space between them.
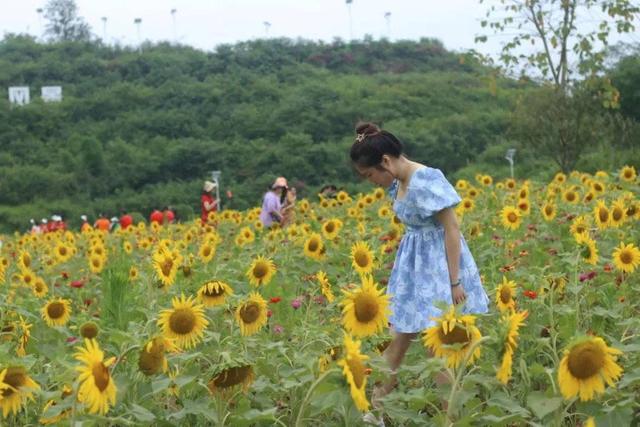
pixel 458 295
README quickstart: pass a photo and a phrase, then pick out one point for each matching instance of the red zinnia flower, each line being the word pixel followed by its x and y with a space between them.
pixel 76 284
pixel 275 300
pixel 530 294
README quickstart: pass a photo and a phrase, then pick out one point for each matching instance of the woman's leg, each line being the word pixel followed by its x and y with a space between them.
pixel 395 354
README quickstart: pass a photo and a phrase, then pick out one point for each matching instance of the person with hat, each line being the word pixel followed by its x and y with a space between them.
pixel 272 203
pixel 208 203
pixel 85 227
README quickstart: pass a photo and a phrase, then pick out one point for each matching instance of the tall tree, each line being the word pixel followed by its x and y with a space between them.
pixel 64 24
pixel 544 34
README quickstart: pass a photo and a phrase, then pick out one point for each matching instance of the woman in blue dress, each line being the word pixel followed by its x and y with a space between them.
pixel 433 262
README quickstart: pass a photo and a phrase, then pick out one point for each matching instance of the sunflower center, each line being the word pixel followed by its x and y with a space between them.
pixel 206 251
pixel 628 174
pixel 616 215
pixel 330 227
pixel 571 197
pixel 100 376
pixel 512 217
pixel 95 262
pixel 313 245
pixel 250 312
pixel 89 330
pixel 260 270
pixel 458 335
pixel 182 321
pixel 626 257
pixel 27 278
pixel 214 291
pixel 548 210
pixel 232 376
pixel 357 370
pixel 603 215
pixel 62 251
pixel 585 251
pixel 55 310
pixel 16 378
pixel 585 360
pixel 366 308
pixel 166 267
pixel 581 229
pixel 361 258
pixel 505 294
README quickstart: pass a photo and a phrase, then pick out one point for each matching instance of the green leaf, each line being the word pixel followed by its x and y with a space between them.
pixel 142 414
pixel 541 405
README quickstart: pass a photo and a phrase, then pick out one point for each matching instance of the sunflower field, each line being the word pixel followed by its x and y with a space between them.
pixel 231 324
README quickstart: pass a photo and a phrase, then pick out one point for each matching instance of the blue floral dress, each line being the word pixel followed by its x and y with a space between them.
pixel 420 275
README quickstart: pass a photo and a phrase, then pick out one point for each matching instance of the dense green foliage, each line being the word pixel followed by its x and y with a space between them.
pixel 138 131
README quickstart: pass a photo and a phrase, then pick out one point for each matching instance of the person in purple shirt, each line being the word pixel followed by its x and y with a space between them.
pixel 272 203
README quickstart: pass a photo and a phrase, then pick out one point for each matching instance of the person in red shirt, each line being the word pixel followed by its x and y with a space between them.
pixel 125 220
pixel 156 216
pixel 169 215
pixel 207 202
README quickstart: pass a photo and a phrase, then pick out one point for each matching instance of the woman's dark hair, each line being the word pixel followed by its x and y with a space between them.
pixel 372 143
pixel 283 196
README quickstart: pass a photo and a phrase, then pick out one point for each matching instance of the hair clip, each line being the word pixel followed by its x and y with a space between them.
pixel 360 137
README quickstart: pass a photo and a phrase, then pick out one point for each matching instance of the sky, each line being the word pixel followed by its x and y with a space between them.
pixel 207 23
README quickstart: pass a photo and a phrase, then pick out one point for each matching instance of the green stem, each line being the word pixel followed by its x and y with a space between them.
pixel 309 393
pixel 133 347
pixel 459 375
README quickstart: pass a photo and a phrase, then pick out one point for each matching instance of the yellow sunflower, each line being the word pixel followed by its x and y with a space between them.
pixel 602 215
pixel 207 251
pixel 452 337
pixel 251 314
pixel 62 252
pixel 487 180
pixel 96 263
pixel 580 225
pixel 15 388
pixel 513 322
pixel 588 198
pixel 314 246
pixel 628 173
pixel 89 330
pixel 467 205
pixel 618 213
pixel 362 258
pixel 325 286
pixel 560 178
pixel 133 273
pixel 626 257
pixel 166 264
pixel 127 247
pixel 331 228
pixel 570 196
pixel 524 206
pixel 261 271
pixel 57 312
pixel 587 364
pixel 511 217
pixel 97 388
pixel 152 358
pixel 214 293
pixel 227 379
pixel 365 309
pixel 588 248
pixel 354 370
pixel 28 277
pixel 549 211
pixel 597 187
pixel 184 323
pixel 505 294
pixel 24 260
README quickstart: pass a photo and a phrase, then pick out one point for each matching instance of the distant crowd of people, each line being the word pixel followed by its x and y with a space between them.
pixel 278 208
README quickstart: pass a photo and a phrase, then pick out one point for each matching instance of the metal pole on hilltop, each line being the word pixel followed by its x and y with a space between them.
pixel 175 31
pixel 138 22
pixel 41 28
pixel 350 20
pixel 387 17
pixel 267 26
pixel 104 29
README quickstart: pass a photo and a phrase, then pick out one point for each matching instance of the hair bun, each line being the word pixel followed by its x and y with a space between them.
pixel 366 128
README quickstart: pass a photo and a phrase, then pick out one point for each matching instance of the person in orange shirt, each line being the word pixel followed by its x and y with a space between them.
pixel 102 223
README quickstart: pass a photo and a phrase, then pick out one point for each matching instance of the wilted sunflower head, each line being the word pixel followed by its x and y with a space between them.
pixel 231 377
pixel 89 330
pixel 214 293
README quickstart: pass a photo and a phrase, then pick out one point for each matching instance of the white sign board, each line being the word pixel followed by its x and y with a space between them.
pixel 19 95
pixel 52 93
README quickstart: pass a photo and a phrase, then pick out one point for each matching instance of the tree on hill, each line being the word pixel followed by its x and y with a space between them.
pixel 64 23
